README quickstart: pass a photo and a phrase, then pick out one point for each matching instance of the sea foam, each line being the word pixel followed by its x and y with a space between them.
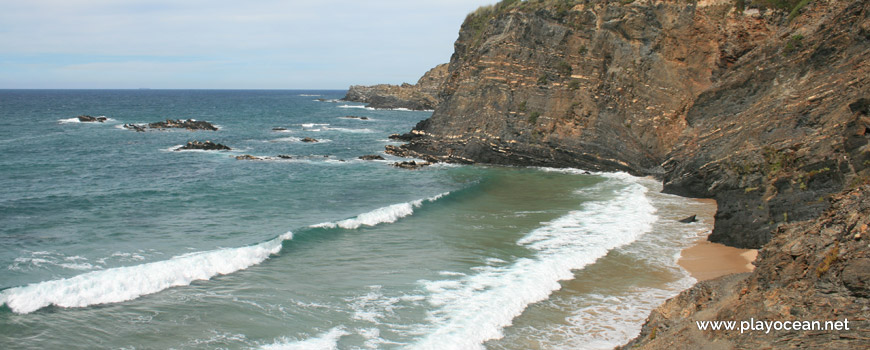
pixel 325 341
pixel 383 215
pixel 130 282
pixel 475 308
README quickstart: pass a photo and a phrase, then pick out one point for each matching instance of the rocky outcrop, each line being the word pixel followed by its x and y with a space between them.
pixel 411 165
pixel 91 119
pixel 750 108
pixel 204 146
pixel 371 157
pixel 189 124
pixel 421 96
pixel 816 270
pixel 309 140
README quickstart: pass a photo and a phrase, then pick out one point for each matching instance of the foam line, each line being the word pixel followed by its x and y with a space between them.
pixel 325 341
pixel 473 309
pixel 130 282
pixel 383 215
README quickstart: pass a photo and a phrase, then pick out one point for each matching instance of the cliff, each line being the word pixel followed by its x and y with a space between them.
pixel 767 110
pixel 421 96
pixel 766 114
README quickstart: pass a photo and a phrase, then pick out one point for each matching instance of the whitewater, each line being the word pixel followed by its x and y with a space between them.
pixel 110 239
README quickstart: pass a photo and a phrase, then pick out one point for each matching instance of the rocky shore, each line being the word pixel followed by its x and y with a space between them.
pixel 189 124
pixel 420 96
pixel 765 109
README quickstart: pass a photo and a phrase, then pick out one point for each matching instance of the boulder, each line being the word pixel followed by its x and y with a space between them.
pixel 411 165
pixel 690 219
pixel 90 119
pixel 189 124
pixel 205 146
pixel 309 139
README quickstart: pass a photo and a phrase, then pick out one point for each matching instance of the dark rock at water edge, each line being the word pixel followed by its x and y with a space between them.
pixel 284 156
pixel 137 128
pixel 411 165
pixel 371 157
pixel 206 146
pixel 690 219
pixel 279 129
pixel 249 157
pixel 356 117
pixel 189 124
pixel 309 140
pixel 90 119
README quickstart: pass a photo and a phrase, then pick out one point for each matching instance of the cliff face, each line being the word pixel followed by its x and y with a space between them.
pixel 817 270
pixel 764 113
pixel 421 96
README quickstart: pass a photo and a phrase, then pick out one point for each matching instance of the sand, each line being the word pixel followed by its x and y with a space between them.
pixel 705 260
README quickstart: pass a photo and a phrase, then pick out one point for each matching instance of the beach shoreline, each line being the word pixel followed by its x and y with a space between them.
pixel 705 260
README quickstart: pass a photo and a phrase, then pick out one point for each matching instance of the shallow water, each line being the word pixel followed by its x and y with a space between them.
pixel 109 239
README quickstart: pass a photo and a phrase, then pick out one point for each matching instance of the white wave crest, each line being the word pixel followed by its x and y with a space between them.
pixel 76 120
pixel 476 308
pixel 325 341
pixel 130 282
pixel 383 215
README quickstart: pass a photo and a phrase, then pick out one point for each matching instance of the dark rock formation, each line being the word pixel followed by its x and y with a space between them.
pixel 279 129
pixel 189 124
pixel 206 146
pixel 249 157
pixel 690 219
pixel 356 117
pixel 411 165
pixel 371 157
pixel 422 96
pixel 284 156
pixel 309 139
pixel 812 270
pixel 137 128
pixel 90 119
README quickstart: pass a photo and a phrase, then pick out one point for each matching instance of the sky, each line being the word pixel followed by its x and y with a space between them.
pixel 224 44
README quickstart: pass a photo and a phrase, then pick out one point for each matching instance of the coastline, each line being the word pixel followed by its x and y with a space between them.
pixel 705 260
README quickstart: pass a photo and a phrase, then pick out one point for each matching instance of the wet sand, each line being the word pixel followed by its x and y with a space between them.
pixel 706 260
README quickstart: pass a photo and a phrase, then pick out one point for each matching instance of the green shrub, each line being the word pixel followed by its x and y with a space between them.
pixel 543 79
pixel 564 68
pixel 793 43
pixel 533 118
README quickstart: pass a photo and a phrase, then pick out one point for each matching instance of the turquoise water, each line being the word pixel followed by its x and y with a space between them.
pixel 110 239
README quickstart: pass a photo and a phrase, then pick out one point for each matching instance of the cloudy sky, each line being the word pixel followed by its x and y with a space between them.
pixel 224 44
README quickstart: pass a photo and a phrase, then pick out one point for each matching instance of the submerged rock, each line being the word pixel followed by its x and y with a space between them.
pixel 411 165
pixel 279 129
pixel 90 119
pixel 355 117
pixel 309 139
pixel 137 128
pixel 690 219
pixel 249 157
pixel 205 146
pixel 371 157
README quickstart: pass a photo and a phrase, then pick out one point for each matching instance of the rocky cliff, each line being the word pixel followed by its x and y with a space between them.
pixel 765 112
pixel 765 109
pixel 420 96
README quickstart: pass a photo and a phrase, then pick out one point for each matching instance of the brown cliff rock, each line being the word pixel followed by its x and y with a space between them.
pixel 421 96
pixel 815 270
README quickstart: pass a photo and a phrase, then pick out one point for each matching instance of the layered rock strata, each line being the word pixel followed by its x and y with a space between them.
pixel 420 96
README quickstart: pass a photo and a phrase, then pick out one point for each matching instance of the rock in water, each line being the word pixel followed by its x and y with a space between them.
pixel 189 124
pixel 309 139
pixel 206 146
pixel 690 219
pixel 90 119
pixel 371 157
pixel 411 165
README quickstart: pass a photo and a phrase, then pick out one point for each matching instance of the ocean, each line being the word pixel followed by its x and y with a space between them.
pixel 111 239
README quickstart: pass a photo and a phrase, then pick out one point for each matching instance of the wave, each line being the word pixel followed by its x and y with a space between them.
pixel 130 282
pixel 383 215
pixel 473 309
pixel 327 128
pixel 309 95
pixel 325 341
pixel 76 120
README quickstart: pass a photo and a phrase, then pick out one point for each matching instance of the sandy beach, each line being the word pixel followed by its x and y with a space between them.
pixel 706 260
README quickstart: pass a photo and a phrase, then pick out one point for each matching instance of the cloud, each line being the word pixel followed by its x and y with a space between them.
pixel 343 42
